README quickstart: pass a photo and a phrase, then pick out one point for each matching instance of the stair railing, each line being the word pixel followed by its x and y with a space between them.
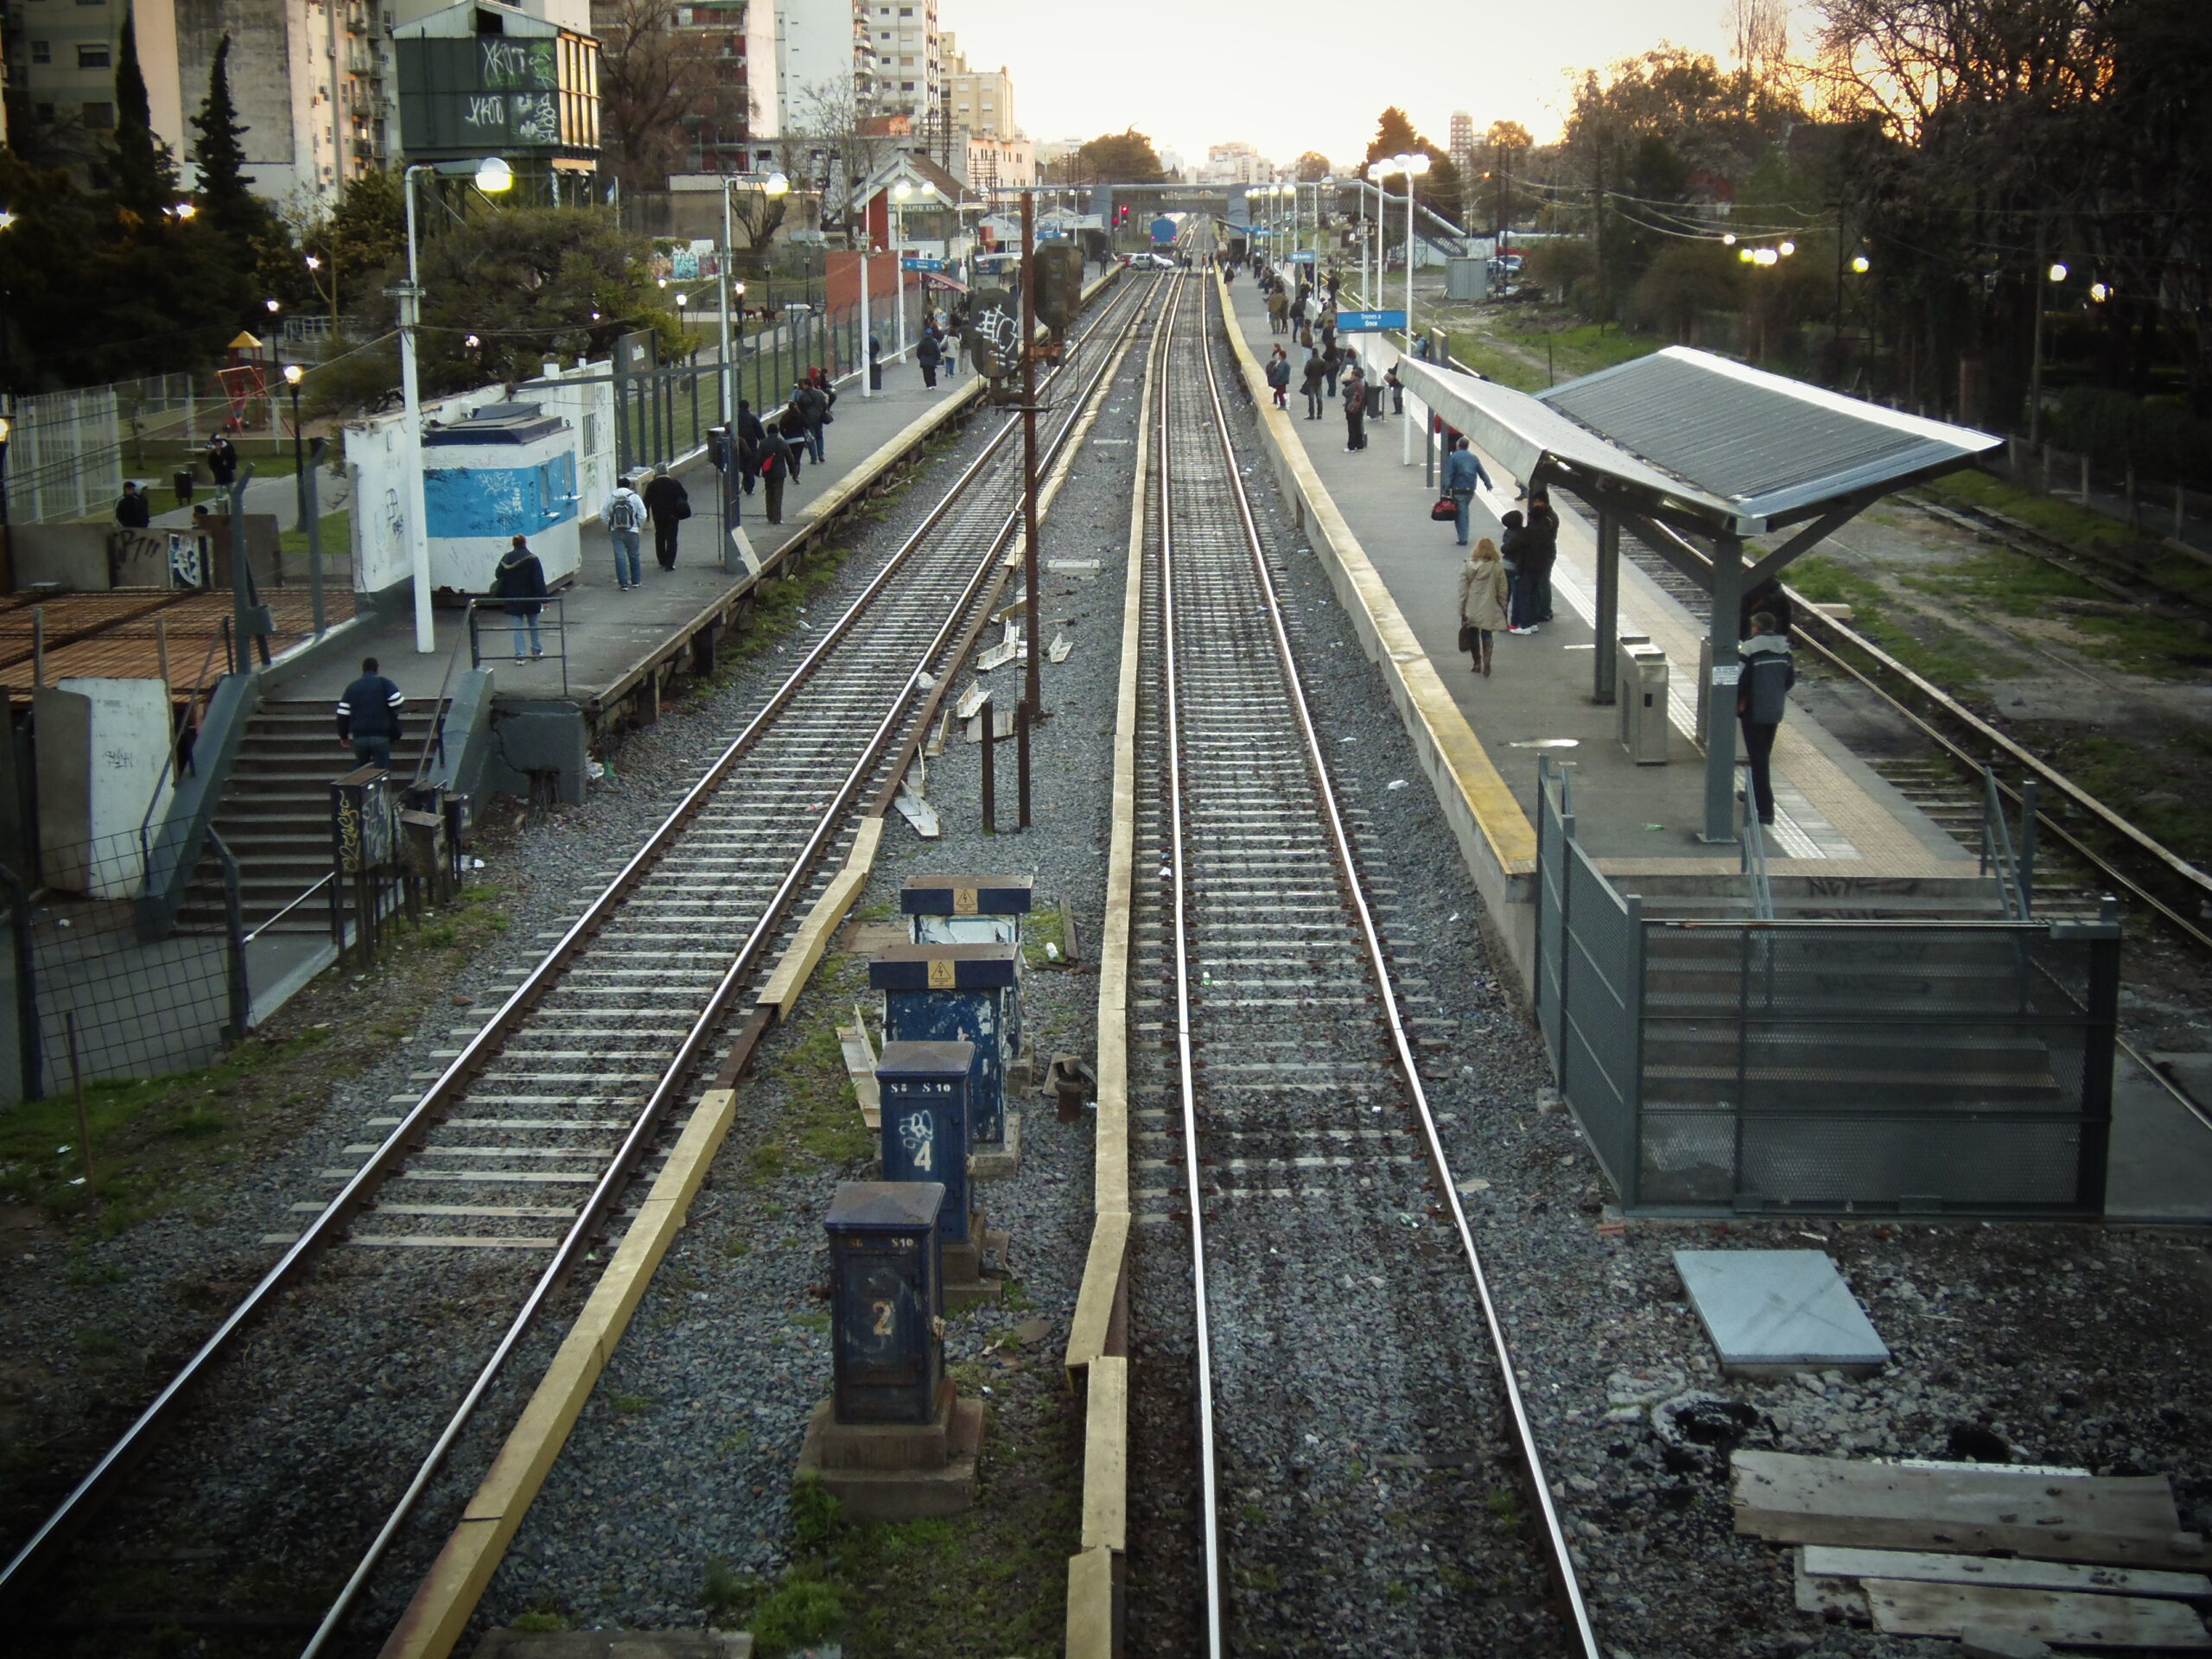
pixel 180 745
pixel 1754 868
pixel 2014 865
pixel 436 740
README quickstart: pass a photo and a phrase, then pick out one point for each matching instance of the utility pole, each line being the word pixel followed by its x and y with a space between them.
pixel 1032 697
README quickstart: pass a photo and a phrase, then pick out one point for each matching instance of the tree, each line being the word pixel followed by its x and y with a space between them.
pixel 145 186
pixel 1686 280
pixel 831 142
pixel 225 196
pixel 1506 139
pixel 529 283
pixel 659 85
pixel 1123 157
pixel 1312 167
pixel 1438 189
pixel 358 235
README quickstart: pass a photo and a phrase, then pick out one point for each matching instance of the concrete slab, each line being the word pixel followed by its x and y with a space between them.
pixel 1770 1313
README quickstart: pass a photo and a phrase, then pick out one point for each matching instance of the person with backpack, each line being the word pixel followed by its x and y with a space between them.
pixel 811 408
pixel 929 354
pixel 668 505
pixel 776 463
pixel 520 580
pixel 624 515
pixel 368 717
pixel 1278 377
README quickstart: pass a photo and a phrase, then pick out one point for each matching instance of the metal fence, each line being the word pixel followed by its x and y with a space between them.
pixel 66 451
pixel 1824 1066
pixel 141 1006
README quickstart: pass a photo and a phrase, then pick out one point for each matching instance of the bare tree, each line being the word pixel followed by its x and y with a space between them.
pixel 1762 32
pixel 661 90
pixel 839 143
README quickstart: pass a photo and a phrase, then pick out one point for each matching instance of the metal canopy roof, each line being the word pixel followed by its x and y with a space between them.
pixel 1738 447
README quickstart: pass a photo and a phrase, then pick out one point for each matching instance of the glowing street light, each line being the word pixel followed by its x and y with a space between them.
pixel 1787 249
pixel 2057 272
pixel 493 176
pixel 1859 262
pixel 2100 292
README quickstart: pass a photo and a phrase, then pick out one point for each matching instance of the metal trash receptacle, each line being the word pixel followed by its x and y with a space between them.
pixel 1641 699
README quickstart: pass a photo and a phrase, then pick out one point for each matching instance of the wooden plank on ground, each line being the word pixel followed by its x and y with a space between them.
pixel 1901 1607
pixel 859 1066
pixel 1106 1454
pixel 2009 1572
pixel 2124 1521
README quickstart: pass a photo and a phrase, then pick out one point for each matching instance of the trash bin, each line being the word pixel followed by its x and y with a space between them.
pixel 1640 691
pixel 875 377
pixel 1375 400
pixel 183 483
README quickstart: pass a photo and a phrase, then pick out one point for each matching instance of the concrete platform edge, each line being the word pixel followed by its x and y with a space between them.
pixel 1497 843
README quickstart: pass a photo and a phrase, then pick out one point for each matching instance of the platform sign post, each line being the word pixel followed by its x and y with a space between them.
pixel 1032 690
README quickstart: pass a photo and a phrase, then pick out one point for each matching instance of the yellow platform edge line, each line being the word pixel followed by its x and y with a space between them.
pixel 1089 1631
pixel 446 1599
pixel 1467 782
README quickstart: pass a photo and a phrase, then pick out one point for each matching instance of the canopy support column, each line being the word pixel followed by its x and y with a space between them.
pixel 1603 690
pixel 1720 696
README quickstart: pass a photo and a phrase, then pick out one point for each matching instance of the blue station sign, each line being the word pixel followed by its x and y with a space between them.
pixel 921 264
pixel 1369 322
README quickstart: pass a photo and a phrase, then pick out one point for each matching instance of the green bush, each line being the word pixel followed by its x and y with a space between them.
pixel 803 1610
pixel 2164 440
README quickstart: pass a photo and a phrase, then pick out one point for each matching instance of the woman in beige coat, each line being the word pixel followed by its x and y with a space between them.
pixel 1482 602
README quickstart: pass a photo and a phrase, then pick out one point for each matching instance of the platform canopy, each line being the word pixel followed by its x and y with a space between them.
pixel 1692 453
pixel 1734 448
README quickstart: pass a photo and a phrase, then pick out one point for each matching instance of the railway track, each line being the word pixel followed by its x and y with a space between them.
pixel 1362 1456
pixel 515 1159
pixel 2095 848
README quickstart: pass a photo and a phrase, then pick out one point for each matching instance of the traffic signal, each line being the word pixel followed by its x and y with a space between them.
pixel 1058 271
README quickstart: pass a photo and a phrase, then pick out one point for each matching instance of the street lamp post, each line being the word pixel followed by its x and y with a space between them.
pixel 493 176
pixel 294 373
pixel 774 184
pixel 2044 276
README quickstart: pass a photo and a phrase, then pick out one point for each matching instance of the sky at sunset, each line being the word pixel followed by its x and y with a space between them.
pixel 1294 75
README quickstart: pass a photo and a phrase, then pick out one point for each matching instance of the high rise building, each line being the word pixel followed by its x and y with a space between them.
pixel 891 52
pixel 981 101
pixel 1237 162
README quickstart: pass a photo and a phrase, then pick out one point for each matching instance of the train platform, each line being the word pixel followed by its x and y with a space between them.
pixel 1835 818
pixel 1840 828
pixel 609 644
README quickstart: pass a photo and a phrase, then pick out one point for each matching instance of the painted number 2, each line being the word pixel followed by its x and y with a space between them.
pixel 883 1311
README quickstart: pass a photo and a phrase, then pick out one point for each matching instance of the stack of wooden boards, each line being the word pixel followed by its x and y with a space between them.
pixel 2061 1557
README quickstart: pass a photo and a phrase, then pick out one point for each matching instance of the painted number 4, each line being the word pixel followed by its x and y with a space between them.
pixel 917 1134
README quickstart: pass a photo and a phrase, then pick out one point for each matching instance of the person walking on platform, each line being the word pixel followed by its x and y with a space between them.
pixel 1762 695
pixel 368 717
pixel 1316 371
pixel 928 354
pixel 813 409
pixel 1397 389
pixel 1463 470
pixel 1278 377
pixel 1531 552
pixel 1482 602
pixel 624 515
pixel 222 460
pixel 1278 313
pixel 776 461
pixel 1355 389
pixel 1297 311
pixel 668 507
pixel 1332 364
pixel 520 581
pixel 748 443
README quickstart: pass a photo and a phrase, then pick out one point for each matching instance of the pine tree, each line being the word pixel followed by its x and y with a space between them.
pixel 231 206
pixel 145 173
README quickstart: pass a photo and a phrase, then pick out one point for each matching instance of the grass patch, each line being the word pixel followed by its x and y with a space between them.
pixel 1951 657
pixel 149 1135
pixel 630 1405
pixel 2053 515
pixel 2150 784
pixel 1479 354
pixel 337 537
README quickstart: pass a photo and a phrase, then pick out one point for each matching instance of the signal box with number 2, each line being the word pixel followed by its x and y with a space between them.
pixel 889 1334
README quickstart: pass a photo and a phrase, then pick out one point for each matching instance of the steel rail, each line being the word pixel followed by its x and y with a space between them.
pixel 1340 843
pixel 1210 1500
pixel 34 1556
pixel 583 1230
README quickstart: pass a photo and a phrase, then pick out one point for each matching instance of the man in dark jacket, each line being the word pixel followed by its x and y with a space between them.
pixel 1532 551
pixel 368 717
pixel 668 507
pixel 748 443
pixel 520 580
pixel 133 512
pixel 1310 383
pixel 222 460
pixel 929 354
pixel 812 406
pixel 1762 695
pixel 775 467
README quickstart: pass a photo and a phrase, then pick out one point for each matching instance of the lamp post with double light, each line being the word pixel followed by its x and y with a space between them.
pixel 493 177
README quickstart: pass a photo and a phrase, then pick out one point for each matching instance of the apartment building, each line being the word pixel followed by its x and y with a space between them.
pixel 1237 162
pixel 739 37
pixel 980 101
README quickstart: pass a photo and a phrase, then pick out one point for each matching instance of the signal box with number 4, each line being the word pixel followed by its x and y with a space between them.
pixel 924 1127
pixel 888 1337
